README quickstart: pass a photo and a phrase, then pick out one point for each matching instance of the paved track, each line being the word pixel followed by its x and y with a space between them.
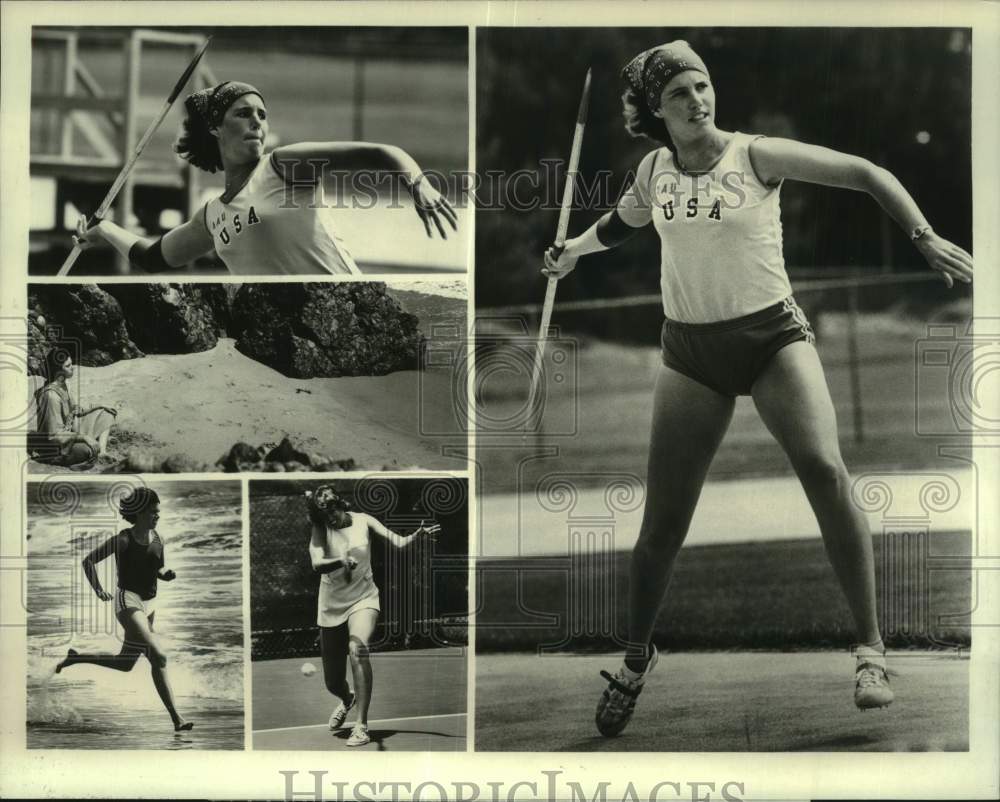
pixel 723 702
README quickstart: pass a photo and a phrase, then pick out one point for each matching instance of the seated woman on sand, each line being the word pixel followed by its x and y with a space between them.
pixel 71 434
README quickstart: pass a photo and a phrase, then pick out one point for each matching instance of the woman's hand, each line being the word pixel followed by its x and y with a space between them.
pixel 946 258
pixel 86 238
pixel 559 261
pixel 168 576
pixel 429 531
pixel 350 563
pixel 103 595
pixel 432 206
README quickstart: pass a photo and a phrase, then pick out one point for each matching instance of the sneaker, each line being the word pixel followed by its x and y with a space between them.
pixel 614 710
pixel 359 735
pixel 339 715
pixel 871 686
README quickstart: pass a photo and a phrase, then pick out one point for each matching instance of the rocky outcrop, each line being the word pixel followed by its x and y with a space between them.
pixel 301 330
pixel 172 318
pixel 82 318
pixel 325 329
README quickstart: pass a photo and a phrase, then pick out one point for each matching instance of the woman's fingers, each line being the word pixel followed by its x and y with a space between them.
pixel 962 258
pixel 954 267
pixel 423 219
pixel 449 212
pixel 437 223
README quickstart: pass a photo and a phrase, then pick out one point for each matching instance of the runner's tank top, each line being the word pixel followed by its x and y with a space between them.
pixel 274 227
pixel 138 564
pixel 720 236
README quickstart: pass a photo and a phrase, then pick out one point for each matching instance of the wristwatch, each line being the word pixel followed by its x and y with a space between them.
pixel 919 232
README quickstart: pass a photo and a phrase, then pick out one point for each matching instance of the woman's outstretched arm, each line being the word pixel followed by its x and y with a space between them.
pixel 305 161
pixel 176 248
pixel 100 553
pixel 776 159
pixel 399 541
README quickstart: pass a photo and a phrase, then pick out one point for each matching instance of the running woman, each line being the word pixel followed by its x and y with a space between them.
pixel 272 218
pixel 138 554
pixel 732 328
pixel 348 606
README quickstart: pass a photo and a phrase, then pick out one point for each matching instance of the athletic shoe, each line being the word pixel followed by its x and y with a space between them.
pixel 339 715
pixel 614 710
pixel 871 686
pixel 359 735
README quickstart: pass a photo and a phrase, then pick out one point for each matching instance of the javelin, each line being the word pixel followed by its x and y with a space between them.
pixel 127 169
pixel 561 228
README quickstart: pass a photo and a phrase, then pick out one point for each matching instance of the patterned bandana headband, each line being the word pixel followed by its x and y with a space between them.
pixel 652 69
pixel 211 104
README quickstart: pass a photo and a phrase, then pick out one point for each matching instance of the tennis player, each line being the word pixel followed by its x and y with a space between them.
pixel 732 328
pixel 138 554
pixel 348 606
pixel 272 217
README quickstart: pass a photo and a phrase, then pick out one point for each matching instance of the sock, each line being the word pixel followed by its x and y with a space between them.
pixel 869 654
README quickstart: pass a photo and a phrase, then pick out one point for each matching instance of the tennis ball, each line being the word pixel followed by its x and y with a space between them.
pixel 308 669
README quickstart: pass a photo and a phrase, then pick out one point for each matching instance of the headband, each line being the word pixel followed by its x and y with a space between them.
pixel 652 69
pixel 325 498
pixel 211 104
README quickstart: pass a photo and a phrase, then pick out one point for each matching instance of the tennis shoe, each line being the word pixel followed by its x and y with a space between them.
pixel 339 714
pixel 617 703
pixel 871 686
pixel 359 735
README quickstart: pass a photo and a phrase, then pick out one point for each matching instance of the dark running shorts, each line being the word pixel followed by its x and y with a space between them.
pixel 729 355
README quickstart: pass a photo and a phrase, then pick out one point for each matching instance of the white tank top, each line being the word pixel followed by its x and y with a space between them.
pixel 353 541
pixel 720 236
pixel 272 227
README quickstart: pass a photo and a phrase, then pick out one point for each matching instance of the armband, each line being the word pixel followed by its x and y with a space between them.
pixel 612 230
pixel 148 257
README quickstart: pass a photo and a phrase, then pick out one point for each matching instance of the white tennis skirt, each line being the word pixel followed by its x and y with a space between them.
pixel 337 604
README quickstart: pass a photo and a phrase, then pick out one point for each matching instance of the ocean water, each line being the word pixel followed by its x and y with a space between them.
pixel 198 620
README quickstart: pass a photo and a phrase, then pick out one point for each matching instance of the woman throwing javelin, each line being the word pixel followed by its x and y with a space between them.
pixel 348 607
pixel 272 218
pixel 138 554
pixel 732 328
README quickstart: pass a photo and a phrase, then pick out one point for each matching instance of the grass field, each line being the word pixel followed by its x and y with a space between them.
pixel 599 406
pixel 780 596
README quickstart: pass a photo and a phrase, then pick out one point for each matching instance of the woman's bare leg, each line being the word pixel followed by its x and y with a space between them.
pixel 361 625
pixel 794 402
pixel 333 648
pixel 139 630
pixel 689 421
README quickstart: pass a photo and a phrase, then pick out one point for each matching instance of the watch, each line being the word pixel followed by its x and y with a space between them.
pixel 919 232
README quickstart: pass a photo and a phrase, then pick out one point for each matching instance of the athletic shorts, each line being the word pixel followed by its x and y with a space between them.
pixel 729 355
pixel 127 600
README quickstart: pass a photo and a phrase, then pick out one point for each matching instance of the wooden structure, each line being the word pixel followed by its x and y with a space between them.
pixel 82 133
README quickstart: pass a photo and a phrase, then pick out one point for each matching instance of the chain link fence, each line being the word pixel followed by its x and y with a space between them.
pixel 423 587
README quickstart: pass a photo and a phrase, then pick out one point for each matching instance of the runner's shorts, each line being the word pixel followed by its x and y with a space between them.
pixel 126 600
pixel 728 356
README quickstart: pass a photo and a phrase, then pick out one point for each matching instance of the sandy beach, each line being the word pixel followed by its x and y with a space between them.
pixel 198 405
